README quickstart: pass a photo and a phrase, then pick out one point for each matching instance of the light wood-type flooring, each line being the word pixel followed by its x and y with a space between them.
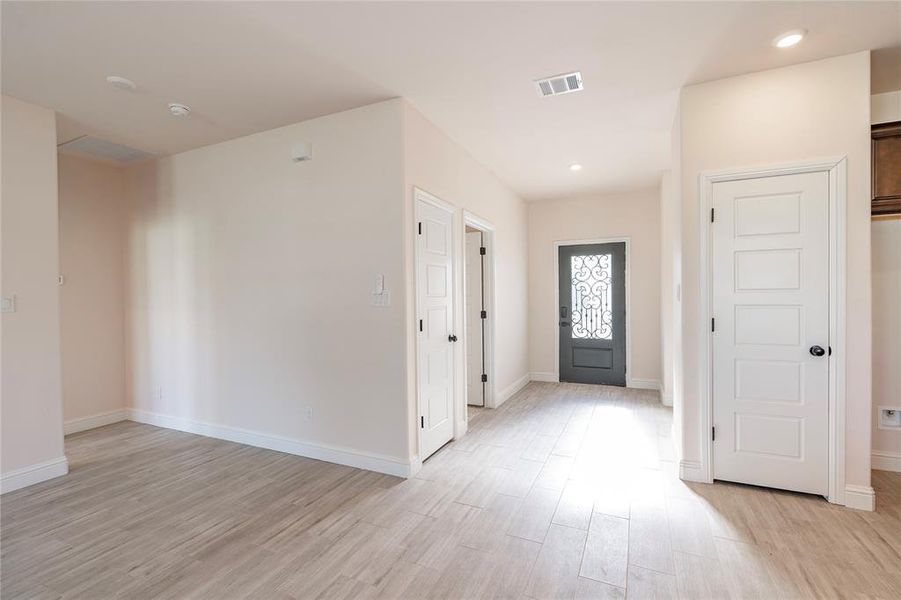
pixel 566 491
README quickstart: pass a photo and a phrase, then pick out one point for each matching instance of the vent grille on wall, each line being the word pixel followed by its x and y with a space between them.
pixel 102 149
pixel 560 84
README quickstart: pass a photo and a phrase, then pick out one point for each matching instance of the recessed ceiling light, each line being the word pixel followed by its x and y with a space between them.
pixel 179 110
pixel 789 38
pixel 122 83
pixel 575 167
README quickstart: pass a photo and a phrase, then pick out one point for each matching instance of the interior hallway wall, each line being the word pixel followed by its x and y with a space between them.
pixel 31 440
pixel 798 113
pixel 92 212
pixel 440 166
pixel 635 215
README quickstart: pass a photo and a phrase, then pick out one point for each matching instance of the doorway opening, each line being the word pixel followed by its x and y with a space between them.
pixel 478 313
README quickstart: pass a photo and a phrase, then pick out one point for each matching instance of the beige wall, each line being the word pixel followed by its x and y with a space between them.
pixel 250 280
pixel 31 405
pixel 635 215
pixel 804 112
pixel 436 164
pixel 92 209
pixel 886 328
pixel 669 215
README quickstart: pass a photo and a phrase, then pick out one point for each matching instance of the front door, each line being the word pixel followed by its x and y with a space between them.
pixel 435 301
pixel 592 313
pixel 770 339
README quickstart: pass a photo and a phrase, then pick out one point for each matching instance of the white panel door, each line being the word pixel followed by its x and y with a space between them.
pixel 770 251
pixel 435 301
pixel 475 388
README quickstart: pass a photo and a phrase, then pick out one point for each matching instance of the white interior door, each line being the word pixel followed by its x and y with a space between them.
pixel 475 388
pixel 435 302
pixel 770 251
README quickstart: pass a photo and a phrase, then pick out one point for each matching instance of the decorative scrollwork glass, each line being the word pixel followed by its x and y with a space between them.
pixel 592 298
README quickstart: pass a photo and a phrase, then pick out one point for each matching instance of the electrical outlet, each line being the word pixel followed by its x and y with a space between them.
pixel 890 417
pixel 308 414
pixel 159 393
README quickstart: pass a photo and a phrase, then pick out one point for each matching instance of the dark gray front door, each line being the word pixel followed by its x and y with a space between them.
pixel 592 313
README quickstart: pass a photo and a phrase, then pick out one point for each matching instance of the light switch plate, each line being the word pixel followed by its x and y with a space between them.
pixel 383 299
pixel 8 304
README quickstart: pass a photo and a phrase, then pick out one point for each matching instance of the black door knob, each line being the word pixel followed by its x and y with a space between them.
pixel 817 351
pixel 452 338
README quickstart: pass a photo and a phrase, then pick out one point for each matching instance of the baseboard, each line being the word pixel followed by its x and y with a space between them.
pixel 30 475
pixel 643 384
pixel 692 470
pixel 884 460
pixel 541 376
pixel 342 456
pixel 85 423
pixel 861 497
pixel 511 390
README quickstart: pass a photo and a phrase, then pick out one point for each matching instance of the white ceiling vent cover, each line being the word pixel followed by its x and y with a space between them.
pixel 102 149
pixel 560 84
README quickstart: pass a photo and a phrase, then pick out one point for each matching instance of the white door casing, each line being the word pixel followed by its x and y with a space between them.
pixel 475 392
pixel 770 288
pixel 435 306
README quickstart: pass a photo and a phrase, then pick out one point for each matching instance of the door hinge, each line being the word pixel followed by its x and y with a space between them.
pixel 713 433
pixel 422 422
pixel 484 378
pixel 712 324
pixel 482 250
pixel 420 324
pixel 420 228
pixel 484 314
pixel 711 215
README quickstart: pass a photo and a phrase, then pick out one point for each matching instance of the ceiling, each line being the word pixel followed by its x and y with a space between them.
pixel 245 67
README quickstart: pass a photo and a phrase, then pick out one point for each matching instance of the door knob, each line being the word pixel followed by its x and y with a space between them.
pixel 817 351
pixel 452 338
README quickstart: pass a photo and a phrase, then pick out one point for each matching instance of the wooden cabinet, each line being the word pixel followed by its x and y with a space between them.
pixel 886 161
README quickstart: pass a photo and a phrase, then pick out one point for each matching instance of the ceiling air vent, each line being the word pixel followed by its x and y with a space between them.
pixel 560 84
pixel 102 149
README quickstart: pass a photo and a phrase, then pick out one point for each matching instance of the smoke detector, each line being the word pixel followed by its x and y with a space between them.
pixel 179 110
pixel 560 84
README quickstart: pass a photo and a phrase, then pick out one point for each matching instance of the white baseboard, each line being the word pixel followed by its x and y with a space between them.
pixel 85 423
pixel 884 460
pixel 32 474
pixel 861 497
pixel 342 456
pixel 643 384
pixel 691 470
pixel 541 376
pixel 510 390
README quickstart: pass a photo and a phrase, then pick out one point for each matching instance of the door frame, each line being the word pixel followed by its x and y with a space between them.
pixel 488 300
pixel 424 196
pixel 836 168
pixel 557 244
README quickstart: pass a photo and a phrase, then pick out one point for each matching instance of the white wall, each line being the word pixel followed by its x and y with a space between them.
pixel 668 224
pixel 808 111
pixel 92 210
pixel 30 398
pixel 635 215
pixel 886 332
pixel 250 280
pixel 438 165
